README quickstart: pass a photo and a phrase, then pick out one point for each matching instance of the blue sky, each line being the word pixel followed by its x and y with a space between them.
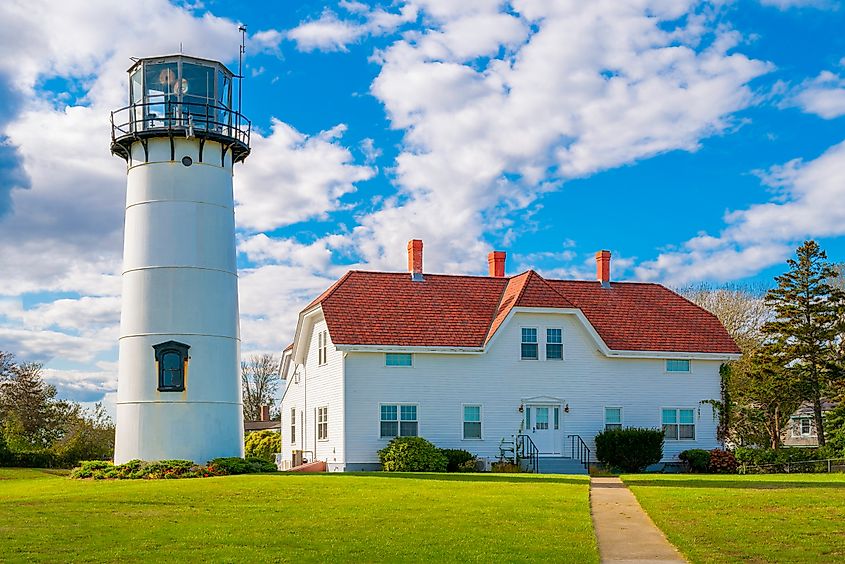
pixel 699 141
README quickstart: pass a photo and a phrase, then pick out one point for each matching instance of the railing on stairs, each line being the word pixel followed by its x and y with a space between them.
pixel 579 450
pixel 527 450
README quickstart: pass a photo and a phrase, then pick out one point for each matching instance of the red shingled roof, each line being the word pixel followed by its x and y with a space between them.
pixel 383 308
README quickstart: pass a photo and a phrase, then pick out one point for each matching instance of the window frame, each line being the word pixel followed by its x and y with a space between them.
pixel 464 421
pixel 397 354
pixel 678 424
pixel 293 425
pixel 322 420
pixel 523 342
pixel 547 343
pixel 322 347
pixel 164 348
pixel 668 360
pixel 621 416
pixel 398 420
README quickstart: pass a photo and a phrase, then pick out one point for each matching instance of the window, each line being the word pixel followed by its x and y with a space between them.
pixel 675 365
pixel 398 420
pixel 556 411
pixel 172 364
pixel 529 344
pixel 322 347
pixel 398 359
pixel 679 424
pixel 554 344
pixel 806 426
pixel 293 425
pixel 612 418
pixel 802 426
pixel 322 423
pixel 472 422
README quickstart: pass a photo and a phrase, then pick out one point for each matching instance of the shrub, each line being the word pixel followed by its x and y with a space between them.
pixel 87 468
pixel 234 465
pixel 631 449
pixel 722 462
pixel 167 469
pixel 505 467
pixel 35 459
pixel 760 456
pixel 696 460
pixel 5 453
pixel 459 460
pixel 412 454
pixel 263 444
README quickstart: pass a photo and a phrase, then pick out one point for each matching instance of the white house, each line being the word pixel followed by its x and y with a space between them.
pixel 471 361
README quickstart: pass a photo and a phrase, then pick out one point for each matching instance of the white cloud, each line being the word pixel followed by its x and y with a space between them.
pixel 294 177
pixel 823 95
pixel 594 86
pixel 787 4
pixel 331 33
pixel 811 203
pixel 63 234
pixel 85 386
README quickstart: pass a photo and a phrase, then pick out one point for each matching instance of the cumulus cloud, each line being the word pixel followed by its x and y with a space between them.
pixel 823 95
pixel 542 93
pixel 332 33
pixel 809 205
pixel 295 177
pixel 62 227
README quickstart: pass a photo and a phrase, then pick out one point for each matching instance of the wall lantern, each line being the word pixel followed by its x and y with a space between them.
pixel 521 408
pixel 566 408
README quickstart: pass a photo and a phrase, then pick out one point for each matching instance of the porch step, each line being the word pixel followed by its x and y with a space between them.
pixel 561 465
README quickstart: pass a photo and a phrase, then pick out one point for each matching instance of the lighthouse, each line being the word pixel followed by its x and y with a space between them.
pixel 179 388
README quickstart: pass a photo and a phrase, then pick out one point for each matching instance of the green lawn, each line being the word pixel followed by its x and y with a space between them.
pixel 771 518
pixel 290 517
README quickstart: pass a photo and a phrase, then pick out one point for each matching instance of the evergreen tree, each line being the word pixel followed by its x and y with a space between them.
pixel 804 333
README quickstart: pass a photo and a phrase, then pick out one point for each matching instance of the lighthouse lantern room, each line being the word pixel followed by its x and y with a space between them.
pixel 179 390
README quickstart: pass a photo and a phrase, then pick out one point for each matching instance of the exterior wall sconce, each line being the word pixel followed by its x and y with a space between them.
pixel 521 408
pixel 566 408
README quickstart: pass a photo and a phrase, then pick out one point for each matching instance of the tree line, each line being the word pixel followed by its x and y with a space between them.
pixel 792 338
pixel 38 429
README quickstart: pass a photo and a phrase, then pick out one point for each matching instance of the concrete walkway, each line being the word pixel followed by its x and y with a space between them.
pixel 623 530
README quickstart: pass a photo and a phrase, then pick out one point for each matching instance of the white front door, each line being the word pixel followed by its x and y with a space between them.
pixel 542 424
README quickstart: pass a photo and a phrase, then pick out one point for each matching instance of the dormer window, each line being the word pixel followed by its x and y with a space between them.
pixel 172 364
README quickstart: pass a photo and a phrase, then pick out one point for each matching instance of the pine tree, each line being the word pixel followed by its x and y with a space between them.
pixel 808 313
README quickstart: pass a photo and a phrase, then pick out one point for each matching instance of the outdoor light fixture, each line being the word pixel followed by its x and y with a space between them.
pixel 566 408
pixel 521 408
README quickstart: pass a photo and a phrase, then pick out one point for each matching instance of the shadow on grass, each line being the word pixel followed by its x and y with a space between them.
pixel 457 477
pixel 739 483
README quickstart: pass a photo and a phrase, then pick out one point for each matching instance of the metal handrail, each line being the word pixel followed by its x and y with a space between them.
pixel 525 448
pixel 584 453
pixel 182 117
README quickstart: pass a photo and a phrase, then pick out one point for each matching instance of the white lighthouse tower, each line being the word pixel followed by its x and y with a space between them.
pixel 179 388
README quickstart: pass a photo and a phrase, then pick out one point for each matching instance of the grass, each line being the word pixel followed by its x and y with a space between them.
pixel 769 518
pixel 289 517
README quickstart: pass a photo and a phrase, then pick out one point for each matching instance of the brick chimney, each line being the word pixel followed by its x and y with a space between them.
pixel 496 263
pixel 603 268
pixel 265 413
pixel 415 264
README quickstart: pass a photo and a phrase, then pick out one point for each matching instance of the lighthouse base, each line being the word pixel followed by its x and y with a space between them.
pixel 197 431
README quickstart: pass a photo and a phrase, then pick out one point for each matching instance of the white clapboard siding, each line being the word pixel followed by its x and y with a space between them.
pixel 586 380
